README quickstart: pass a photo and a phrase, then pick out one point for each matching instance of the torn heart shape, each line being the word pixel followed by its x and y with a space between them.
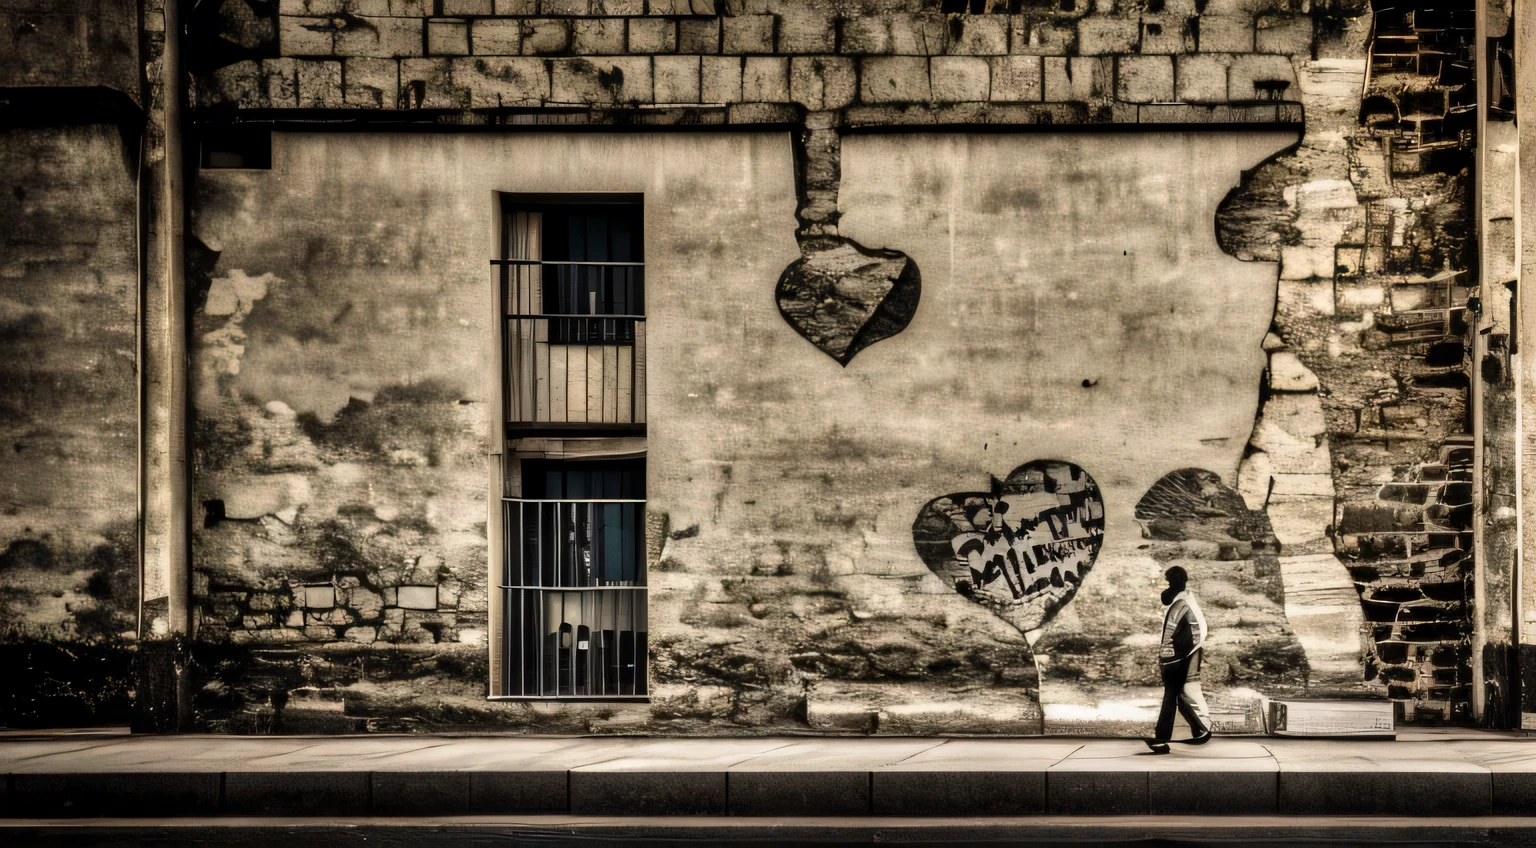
pixel 843 297
pixel 1020 550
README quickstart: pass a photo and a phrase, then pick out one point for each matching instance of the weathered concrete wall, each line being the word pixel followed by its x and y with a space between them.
pixel 69 582
pixel 342 373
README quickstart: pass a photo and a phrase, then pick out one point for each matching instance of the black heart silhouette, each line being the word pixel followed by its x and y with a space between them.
pixel 1020 550
pixel 844 297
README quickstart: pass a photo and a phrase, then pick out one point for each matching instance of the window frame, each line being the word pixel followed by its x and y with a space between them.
pixel 509 669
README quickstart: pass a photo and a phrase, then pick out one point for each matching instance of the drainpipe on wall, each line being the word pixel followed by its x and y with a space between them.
pixel 1475 381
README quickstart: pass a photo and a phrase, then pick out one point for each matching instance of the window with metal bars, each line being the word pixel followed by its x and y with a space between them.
pixel 573 287
pixel 574 581
pixel 571 576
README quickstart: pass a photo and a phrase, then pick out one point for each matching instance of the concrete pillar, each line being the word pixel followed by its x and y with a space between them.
pixel 1525 361
pixel 164 510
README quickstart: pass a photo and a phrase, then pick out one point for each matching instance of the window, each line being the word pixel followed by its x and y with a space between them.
pixel 574 286
pixel 571 611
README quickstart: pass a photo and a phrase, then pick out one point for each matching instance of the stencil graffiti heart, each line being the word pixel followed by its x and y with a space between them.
pixel 843 297
pixel 1020 550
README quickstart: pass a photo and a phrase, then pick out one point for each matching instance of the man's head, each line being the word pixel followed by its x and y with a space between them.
pixel 1177 578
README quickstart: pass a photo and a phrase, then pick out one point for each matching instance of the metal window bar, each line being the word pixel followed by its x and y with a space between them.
pixel 574 576
pixel 575 342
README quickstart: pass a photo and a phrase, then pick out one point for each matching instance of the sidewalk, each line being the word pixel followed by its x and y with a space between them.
pixel 1423 773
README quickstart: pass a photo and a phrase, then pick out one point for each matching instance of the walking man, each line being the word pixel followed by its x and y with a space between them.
pixel 1179 661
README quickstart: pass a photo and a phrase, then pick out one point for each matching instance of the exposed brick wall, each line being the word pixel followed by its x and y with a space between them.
pixel 1121 63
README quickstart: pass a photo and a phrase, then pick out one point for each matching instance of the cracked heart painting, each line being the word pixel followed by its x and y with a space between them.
pixel 1020 550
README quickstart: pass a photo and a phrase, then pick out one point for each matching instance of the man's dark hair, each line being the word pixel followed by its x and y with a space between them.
pixel 1177 576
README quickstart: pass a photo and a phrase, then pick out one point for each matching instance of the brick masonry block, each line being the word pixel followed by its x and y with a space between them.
pixel 1145 79
pixel 238 83
pixel 894 79
pixel 447 37
pixel 618 8
pixel 698 35
pixel 1016 78
pixel 1100 36
pixel 1202 77
pixel 1257 77
pixel 319 84
pixel 502 81
pixel 280 78
pixel 606 79
pixel 1167 34
pixel 747 34
pixel 976 35
pixel 959 79
pixel 807 30
pixel 720 79
pixel 409 8
pixel 1041 37
pixel 1289 34
pixel 456 8
pixel 676 79
pixel 765 79
pixel 1226 34
pixel 371 83
pixel 564 8
pixel 520 8
pixel 652 35
pixel 597 36
pixel 306 36
pixel 546 37
pixel 823 82
pixel 314 8
pixel 680 8
pixel 501 37
pixel 1079 78
pixel 373 8
pixel 381 37
pixel 428 84
pixel 920 34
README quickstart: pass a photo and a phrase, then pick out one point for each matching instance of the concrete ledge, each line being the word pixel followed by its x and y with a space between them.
pixel 421 793
pixel 1514 794
pixel 1098 793
pixel 1386 793
pixel 977 793
pixel 116 794
pixel 501 793
pixel 798 793
pixel 642 793
pixel 1240 793
pixel 281 793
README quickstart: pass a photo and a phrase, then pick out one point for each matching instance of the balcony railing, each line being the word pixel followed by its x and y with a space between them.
pixel 573 584
pixel 575 343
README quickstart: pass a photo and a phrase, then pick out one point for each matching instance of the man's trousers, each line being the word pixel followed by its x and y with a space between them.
pixel 1181 691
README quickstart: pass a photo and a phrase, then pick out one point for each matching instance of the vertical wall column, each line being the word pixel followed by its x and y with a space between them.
pixel 1525 362
pixel 1495 693
pixel 164 686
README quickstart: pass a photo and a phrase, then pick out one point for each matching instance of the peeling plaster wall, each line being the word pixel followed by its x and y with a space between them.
pixel 68 406
pixel 344 342
pixel 343 367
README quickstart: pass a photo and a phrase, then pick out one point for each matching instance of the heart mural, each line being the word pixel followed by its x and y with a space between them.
pixel 1020 550
pixel 843 297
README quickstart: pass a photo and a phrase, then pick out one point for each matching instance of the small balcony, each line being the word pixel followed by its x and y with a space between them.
pixel 575 347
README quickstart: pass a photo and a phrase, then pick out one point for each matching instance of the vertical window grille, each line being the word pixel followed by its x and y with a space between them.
pixel 572 575
pixel 574 288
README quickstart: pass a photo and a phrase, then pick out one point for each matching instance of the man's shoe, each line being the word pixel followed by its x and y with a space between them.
pixel 1201 740
pixel 1158 747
